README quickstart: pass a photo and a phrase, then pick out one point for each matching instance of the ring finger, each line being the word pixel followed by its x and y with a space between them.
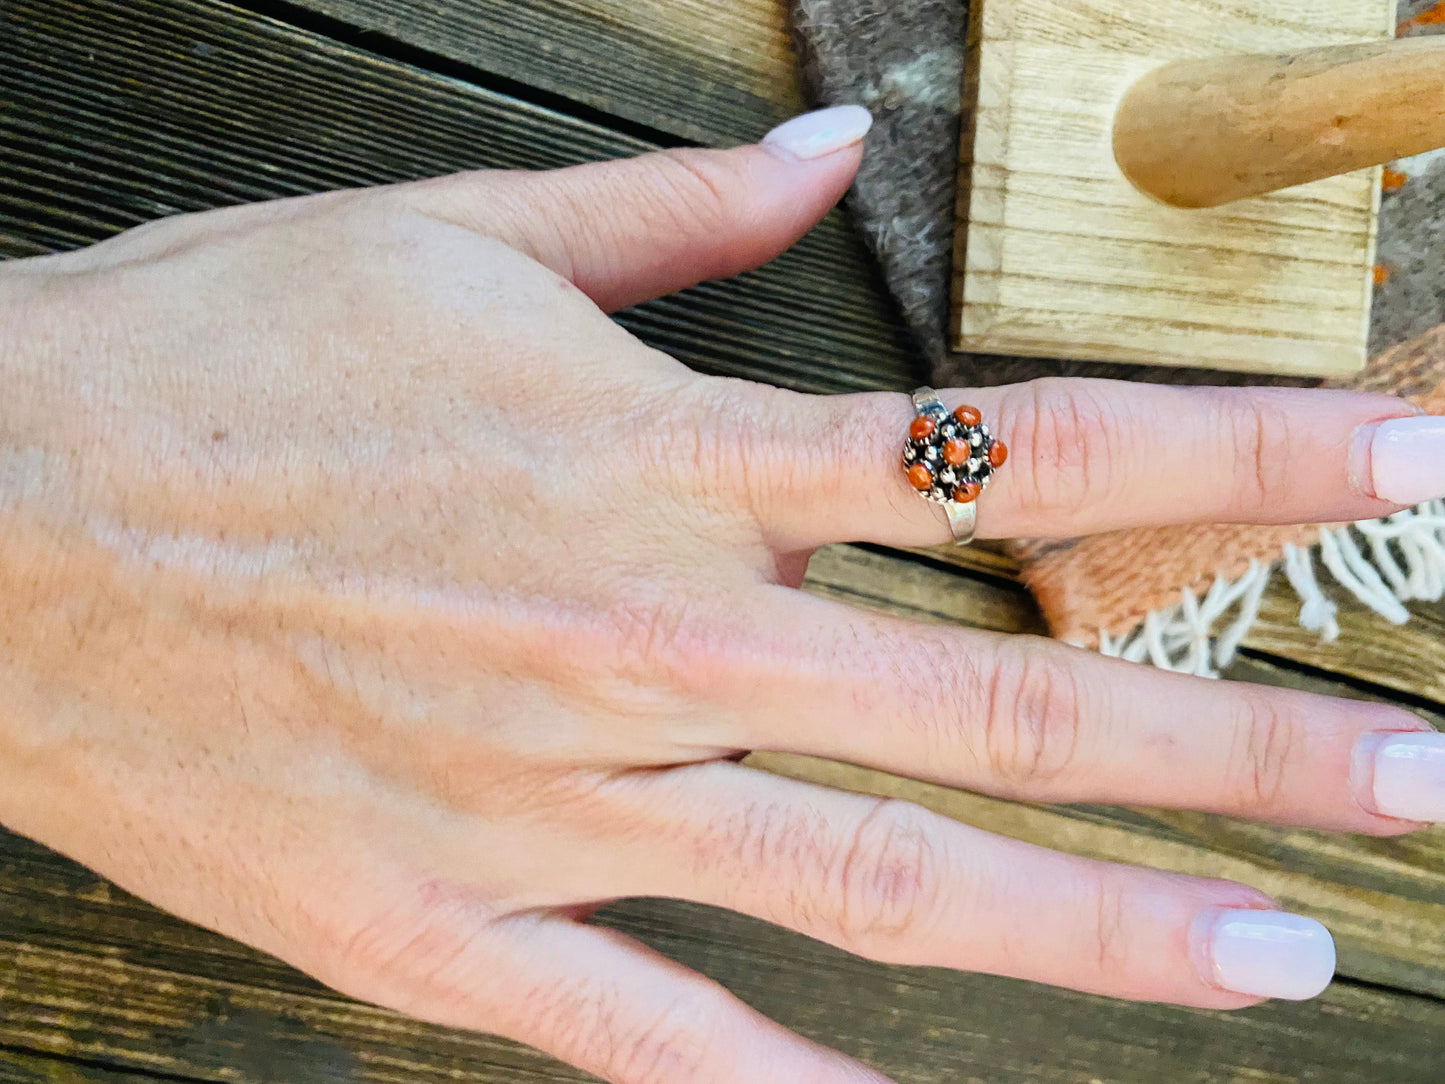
pixel 1087 456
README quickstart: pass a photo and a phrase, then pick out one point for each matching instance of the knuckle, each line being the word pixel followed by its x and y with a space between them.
pixel 1031 716
pixel 661 647
pixel 890 880
pixel 651 636
pixel 664 642
pixel 1256 439
pixel 784 840
pixel 593 1024
pixel 674 1045
pixel 1266 736
pixel 744 440
pixel 747 446
pixel 1068 442
pixel 576 1018
pixel 695 191
pixel 406 954
pixel 706 437
pixel 1110 926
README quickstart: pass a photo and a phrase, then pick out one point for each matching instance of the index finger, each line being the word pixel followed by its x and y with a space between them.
pixel 1087 456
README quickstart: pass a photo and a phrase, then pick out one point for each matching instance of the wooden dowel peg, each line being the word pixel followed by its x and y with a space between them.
pixel 1199 133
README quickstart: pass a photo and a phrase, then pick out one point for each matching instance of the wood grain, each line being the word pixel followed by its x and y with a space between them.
pixel 693 69
pixel 1201 133
pixel 1059 256
pixel 18 1067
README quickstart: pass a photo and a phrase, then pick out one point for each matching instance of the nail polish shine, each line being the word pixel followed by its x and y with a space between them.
pixel 1407 460
pixel 1267 953
pixel 824 132
pixel 1409 776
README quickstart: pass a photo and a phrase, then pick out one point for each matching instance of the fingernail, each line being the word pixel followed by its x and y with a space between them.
pixel 1266 953
pixel 1403 775
pixel 814 135
pixel 1406 459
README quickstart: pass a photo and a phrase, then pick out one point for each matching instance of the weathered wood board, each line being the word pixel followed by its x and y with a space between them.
pixel 1059 256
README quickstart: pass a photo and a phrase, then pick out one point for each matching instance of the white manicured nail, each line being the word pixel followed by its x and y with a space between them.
pixel 1407 459
pixel 1408 774
pixel 1266 953
pixel 814 135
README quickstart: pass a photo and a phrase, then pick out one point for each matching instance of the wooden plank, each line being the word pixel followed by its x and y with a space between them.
pixel 1410 658
pixel 18 1067
pixel 694 69
pixel 1060 256
pixel 179 157
pixel 922 1026
pixel 119 112
pixel 880 580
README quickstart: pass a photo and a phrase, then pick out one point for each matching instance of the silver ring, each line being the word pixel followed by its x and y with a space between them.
pixel 950 458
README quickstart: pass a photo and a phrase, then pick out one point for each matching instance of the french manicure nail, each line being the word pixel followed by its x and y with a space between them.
pixel 1266 953
pixel 1407 459
pixel 1408 773
pixel 820 133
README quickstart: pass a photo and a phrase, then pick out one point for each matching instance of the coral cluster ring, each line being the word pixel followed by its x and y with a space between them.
pixel 949 458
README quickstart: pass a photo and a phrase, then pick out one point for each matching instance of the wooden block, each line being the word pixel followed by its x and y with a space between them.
pixel 1060 256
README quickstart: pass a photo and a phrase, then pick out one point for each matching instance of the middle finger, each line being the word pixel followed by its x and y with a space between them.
pixel 1029 718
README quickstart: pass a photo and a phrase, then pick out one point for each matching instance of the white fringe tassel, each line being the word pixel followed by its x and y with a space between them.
pixel 1384 563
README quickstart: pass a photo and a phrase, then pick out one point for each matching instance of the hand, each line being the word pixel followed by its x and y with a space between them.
pixel 372 598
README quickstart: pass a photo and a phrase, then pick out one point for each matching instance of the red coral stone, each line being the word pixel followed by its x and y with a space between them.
pixel 998 454
pixel 969 415
pixel 967 492
pixel 955 452
pixel 922 427
pixel 920 477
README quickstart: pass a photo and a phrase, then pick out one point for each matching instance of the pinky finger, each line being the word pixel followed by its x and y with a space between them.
pixel 611 1006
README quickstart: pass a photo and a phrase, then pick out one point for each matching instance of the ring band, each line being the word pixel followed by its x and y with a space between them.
pixel 950 458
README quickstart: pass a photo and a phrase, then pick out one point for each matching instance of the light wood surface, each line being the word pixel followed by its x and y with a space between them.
pixel 1201 133
pixel 1060 256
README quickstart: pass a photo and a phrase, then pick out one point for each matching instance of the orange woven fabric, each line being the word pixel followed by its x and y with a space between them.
pixel 1110 583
